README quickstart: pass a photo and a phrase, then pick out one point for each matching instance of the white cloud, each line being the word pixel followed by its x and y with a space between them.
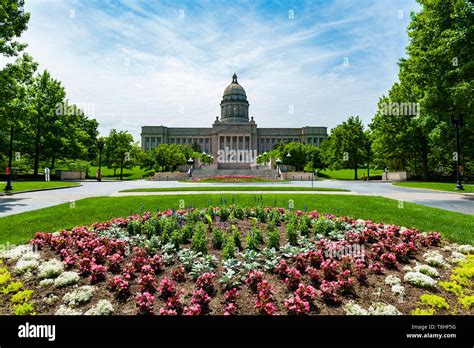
pixel 141 66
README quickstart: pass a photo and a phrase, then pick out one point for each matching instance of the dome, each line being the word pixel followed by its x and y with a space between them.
pixel 234 91
pixel 234 104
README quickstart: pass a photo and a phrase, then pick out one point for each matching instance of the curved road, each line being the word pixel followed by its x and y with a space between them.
pixel 28 201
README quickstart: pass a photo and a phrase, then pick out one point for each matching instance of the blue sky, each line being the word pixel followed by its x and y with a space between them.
pixel 168 62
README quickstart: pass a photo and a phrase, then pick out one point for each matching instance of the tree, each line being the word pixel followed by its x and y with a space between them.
pixel 15 80
pixel 44 124
pixel 118 146
pixel 14 20
pixel 345 146
pixel 437 74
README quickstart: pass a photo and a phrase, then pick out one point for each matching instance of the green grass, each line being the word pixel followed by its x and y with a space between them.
pixel 20 228
pixel 37 185
pixel 348 174
pixel 233 188
pixel 440 186
pixel 128 174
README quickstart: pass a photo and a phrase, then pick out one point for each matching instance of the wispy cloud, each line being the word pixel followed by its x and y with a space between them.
pixel 168 62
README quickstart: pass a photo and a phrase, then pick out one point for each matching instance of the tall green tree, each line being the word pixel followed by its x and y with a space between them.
pixel 13 22
pixel 117 151
pixel 345 146
pixel 15 80
pixel 44 123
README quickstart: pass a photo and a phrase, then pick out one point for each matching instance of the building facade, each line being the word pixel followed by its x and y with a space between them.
pixel 233 132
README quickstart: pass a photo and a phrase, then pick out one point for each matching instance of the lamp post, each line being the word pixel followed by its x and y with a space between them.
pixel 9 186
pixel 190 162
pixel 457 123
pixel 278 162
pixel 265 158
pixel 204 156
pixel 367 145
pixel 100 146
pixel 289 157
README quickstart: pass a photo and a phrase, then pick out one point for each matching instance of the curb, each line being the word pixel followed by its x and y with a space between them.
pixel 433 190
pixel 36 190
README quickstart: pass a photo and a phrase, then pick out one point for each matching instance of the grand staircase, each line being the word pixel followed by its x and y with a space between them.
pixel 262 173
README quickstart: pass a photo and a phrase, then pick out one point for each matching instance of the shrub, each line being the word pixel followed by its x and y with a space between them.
pixel 5 277
pixel 200 297
pixel 206 282
pixel 217 238
pixel 229 249
pixel 50 269
pixel 236 235
pixel 452 287
pixel 103 307
pixel 167 288
pixel 26 308
pixel 297 306
pixel 21 296
pixel 466 302
pixel 419 311
pixel 292 233
pixel 121 285
pixel 147 283
pixel 199 241
pixel 64 310
pixel 13 287
pixel 66 278
pixel 274 238
pixel 251 241
pixel 79 296
pixel 428 270
pixel 380 308
pixel 434 301
pixel 253 279
pixel 352 308
pixel 144 302
pixel 419 279
pixel 178 274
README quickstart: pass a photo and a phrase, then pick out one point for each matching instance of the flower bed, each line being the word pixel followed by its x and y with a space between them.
pixel 236 261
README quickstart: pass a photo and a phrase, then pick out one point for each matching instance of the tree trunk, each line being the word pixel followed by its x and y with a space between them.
pixel 424 154
pixel 53 161
pixel 115 169
pixel 37 148
pixel 355 167
pixel 121 169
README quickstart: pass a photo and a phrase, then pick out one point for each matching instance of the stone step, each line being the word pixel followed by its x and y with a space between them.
pixel 262 173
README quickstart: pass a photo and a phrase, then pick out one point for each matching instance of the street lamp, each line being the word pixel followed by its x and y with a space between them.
pixel 367 145
pixel 204 156
pixel 265 157
pixel 457 123
pixel 100 146
pixel 278 162
pixel 190 162
pixel 289 157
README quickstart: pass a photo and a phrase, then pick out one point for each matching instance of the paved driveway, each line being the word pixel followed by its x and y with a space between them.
pixel 36 200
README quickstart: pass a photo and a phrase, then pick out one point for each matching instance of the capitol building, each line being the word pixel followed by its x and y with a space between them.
pixel 233 131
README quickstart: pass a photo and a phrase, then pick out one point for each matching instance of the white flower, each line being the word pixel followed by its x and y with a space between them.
pixel 428 270
pixel 392 280
pixel 16 252
pixel 50 269
pixel 380 308
pixel 66 278
pixel 63 310
pixel 466 249
pixel 457 257
pixel 352 308
pixel 103 307
pixel 398 289
pixel 23 266
pixel 435 259
pixel 407 268
pixel 79 296
pixel 447 248
pixel 46 282
pixel 419 279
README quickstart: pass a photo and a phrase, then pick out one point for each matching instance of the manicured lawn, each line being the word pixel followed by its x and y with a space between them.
pixel 348 174
pixel 37 185
pixel 128 174
pixel 440 186
pixel 20 228
pixel 233 188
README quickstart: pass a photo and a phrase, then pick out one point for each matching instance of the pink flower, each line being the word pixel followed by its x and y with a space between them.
pixel 144 303
pixel 206 282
